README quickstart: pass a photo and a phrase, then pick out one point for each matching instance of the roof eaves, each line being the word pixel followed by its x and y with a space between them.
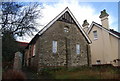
pixel 57 17
pixel 89 41
pixel 52 21
pixel 100 26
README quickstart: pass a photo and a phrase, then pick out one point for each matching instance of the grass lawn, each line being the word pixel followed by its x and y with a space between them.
pixel 79 73
pixel 76 75
pixel 84 75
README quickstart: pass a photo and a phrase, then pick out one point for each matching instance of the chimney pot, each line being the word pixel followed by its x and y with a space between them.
pixel 85 25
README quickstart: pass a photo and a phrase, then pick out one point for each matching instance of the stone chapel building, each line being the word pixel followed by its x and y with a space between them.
pixel 61 43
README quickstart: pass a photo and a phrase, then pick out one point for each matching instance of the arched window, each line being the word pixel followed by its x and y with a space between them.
pixel 66 29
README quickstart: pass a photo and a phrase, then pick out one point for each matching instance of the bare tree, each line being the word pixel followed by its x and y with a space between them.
pixel 19 19
pixel 16 19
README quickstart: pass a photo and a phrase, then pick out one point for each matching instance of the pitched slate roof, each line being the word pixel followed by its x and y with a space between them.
pixel 111 31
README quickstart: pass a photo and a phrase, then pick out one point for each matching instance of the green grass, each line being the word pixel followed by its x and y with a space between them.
pixel 87 73
pixel 64 74
pixel 80 73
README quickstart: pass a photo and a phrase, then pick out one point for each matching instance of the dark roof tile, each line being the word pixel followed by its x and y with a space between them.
pixel 115 32
pixel 110 30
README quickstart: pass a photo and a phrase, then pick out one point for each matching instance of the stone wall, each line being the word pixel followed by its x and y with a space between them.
pixel 66 46
pixel 30 60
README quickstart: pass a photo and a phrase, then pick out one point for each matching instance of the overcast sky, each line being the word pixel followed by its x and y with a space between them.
pixel 81 11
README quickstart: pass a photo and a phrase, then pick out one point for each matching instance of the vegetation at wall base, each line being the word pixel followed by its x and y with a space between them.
pixel 78 73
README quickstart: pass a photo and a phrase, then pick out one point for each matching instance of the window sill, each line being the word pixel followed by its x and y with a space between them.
pixel 95 39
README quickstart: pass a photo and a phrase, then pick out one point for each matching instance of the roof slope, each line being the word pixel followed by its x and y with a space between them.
pixel 111 31
pixel 115 32
pixel 57 17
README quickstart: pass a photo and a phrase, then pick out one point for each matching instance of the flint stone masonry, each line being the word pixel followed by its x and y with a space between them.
pixel 65 31
pixel 69 39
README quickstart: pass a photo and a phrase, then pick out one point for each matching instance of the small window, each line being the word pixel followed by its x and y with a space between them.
pixel 34 50
pixel 54 46
pixel 95 34
pixel 77 49
pixel 66 29
pixel 98 62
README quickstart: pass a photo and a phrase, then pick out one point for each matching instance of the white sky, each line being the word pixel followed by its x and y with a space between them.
pixel 57 0
pixel 81 12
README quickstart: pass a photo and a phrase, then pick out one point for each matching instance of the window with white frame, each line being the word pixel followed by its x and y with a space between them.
pixel 34 50
pixel 95 34
pixel 54 46
pixel 77 49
